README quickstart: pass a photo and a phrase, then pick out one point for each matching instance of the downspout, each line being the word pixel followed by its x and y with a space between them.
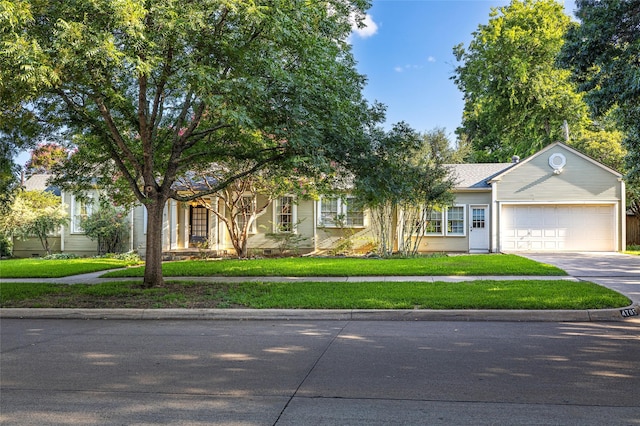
pixel 494 212
pixel 623 217
pixel 61 226
pixel 315 225
pixel 131 229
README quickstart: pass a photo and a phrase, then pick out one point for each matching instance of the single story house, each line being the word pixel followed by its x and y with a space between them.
pixel 555 200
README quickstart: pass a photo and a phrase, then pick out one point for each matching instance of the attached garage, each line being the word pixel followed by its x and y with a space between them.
pixel 557 200
pixel 558 227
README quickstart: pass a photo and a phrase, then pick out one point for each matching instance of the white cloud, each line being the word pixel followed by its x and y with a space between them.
pixel 368 30
pixel 431 59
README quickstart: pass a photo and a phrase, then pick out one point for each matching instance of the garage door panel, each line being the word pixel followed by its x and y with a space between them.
pixel 557 227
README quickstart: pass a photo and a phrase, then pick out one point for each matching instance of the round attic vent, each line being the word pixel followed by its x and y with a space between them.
pixel 557 162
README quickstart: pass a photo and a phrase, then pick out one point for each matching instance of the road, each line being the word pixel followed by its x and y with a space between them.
pixel 108 372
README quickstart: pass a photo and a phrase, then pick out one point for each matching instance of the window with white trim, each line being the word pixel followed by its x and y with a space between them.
pixel 449 221
pixel 433 222
pixel 285 213
pixel 81 209
pixel 455 220
pixel 335 211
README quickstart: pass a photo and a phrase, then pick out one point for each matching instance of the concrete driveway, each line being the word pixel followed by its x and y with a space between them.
pixel 618 271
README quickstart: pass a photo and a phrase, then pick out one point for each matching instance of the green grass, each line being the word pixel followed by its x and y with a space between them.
pixel 485 294
pixel 633 249
pixel 489 264
pixel 42 268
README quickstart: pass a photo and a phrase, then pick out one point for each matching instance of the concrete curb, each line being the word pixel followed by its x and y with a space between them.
pixel 592 315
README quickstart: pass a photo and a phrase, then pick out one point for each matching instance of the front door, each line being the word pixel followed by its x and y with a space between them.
pixel 479 229
pixel 198 225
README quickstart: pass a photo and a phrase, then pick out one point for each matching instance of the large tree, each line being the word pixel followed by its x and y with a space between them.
pixel 516 98
pixel 147 90
pixel 602 51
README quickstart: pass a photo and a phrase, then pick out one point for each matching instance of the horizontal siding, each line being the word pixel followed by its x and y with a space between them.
pixel 445 244
pixel 580 180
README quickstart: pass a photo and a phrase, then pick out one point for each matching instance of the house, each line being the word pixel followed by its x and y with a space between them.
pixel 555 200
pixel 71 238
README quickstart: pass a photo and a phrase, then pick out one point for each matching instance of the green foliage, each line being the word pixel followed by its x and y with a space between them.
pixel 108 226
pixel 6 245
pixel 61 256
pixel 398 173
pixel 516 98
pixel 602 53
pixel 288 240
pixel 34 214
pixel 130 257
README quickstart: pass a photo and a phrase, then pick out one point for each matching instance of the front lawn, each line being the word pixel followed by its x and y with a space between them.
pixel 484 294
pixel 480 264
pixel 54 268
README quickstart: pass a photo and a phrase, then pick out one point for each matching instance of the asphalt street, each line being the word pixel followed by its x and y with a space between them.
pixel 308 371
pixel 107 372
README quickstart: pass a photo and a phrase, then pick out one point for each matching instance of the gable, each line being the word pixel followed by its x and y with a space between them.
pixel 559 173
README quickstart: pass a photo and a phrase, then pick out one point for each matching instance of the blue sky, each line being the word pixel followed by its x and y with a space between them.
pixel 407 54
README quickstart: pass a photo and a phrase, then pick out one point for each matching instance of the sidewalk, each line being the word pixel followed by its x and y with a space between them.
pixel 317 314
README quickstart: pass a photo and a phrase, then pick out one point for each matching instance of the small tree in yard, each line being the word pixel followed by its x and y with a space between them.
pixel 400 178
pixel 107 226
pixel 34 214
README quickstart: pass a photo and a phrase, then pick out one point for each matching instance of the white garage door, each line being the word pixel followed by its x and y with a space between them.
pixel 557 227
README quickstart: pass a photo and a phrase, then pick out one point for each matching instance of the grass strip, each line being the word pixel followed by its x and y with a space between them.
pixel 489 264
pixel 483 294
pixel 55 268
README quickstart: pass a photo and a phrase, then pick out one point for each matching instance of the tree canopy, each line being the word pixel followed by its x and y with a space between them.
pixel 602 51
pixel 516 98
pixel 147 90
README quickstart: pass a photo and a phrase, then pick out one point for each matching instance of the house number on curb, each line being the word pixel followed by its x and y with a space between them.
pixel 630 312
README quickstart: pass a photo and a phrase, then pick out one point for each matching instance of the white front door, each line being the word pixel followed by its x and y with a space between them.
pixel 478 229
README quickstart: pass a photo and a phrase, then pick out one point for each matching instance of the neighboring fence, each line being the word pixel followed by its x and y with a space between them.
pixel 633 230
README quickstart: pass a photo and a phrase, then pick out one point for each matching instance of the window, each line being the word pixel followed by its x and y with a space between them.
pixel 455 220
pixel 81 209
pixel 328 211
pixel 452 216
pixel 341 212
pixel 433 223
pixel 285 214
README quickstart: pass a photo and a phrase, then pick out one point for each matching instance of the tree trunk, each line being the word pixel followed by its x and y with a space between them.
pixel 153 260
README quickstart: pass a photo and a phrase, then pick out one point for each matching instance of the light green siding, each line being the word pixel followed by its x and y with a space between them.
pixel 580 181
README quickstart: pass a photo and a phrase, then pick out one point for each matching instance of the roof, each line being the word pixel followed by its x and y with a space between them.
pixel 476 176
pixel 39 182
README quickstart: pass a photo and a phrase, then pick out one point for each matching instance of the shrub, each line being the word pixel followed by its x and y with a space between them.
pixel 107 226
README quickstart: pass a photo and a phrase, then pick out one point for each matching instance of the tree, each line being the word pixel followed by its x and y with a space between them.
pixel 441 149
pixel 515 96
pixel 399 175
pixel 34 214
pixel 149 90
pixel 21 71
pixel 45 157
pixel 107 226
pixel 602 53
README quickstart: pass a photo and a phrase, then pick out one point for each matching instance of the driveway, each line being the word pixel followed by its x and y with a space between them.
pixel 618 271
